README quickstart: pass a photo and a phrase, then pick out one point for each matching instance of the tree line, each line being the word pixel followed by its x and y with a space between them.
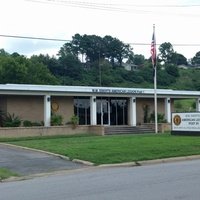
pixel 92 60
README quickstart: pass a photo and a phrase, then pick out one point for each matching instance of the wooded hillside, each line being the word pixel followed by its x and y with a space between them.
pixel 91 60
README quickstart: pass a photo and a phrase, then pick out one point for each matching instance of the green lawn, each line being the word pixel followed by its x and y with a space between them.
pixel 117 149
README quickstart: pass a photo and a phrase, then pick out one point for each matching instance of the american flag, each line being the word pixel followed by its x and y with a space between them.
pixel 153 49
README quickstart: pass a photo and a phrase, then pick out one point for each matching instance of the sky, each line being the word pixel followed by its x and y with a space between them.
pixel 131 21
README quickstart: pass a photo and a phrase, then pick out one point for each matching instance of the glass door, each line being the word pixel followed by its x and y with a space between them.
pixel 103 112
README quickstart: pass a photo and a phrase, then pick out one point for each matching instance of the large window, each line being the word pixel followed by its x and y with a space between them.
pixel 82 109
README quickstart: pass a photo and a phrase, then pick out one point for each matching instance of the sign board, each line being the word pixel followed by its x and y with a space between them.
pixel 187 123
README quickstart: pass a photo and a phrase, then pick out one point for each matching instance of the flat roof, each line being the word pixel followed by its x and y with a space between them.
pixel 27 89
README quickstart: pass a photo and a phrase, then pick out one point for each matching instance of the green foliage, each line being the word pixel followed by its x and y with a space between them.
pixel 94 47
pixel 184 105
pixel 27 123
pixel 91 60
pixel 166 52
pixel 18 69
pixel 56 120
pixel 74 120
pixel 2 116
pixel 160 118
pixel 172 70
pixel 10 120
pixel 196 59
pixel 146 113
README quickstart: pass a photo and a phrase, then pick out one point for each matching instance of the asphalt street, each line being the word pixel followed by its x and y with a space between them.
pixel 169 181
pixel 27 162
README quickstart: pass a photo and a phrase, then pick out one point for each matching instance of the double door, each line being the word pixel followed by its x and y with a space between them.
pixel 103 112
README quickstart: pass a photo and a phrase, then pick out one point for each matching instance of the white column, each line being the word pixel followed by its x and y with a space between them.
pixel 47 110
pixel 132 111
pixel 93 110
pixel 198 105
pixel 168 110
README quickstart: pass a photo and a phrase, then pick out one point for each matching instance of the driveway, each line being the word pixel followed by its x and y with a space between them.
pixel 28 162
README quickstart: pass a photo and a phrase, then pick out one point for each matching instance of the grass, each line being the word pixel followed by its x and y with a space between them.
pixel 5 173
pixel 116 149
pixel 185 105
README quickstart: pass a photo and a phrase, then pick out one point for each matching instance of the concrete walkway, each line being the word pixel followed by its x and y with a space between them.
pixel 27 162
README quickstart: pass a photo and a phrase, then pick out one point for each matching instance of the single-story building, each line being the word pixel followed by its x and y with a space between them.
pixel 93 105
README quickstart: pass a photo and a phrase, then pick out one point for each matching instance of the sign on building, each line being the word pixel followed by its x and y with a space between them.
pixel 187 123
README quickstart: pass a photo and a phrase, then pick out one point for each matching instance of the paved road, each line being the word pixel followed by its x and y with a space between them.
pixel 26 162
pixel 172 181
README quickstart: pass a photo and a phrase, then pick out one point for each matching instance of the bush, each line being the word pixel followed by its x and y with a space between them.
pixel 2 117
pixel 160 118
pixel 37 124
pixel 27 123
pixel 56 120
pixel 10 120
pixel 74 121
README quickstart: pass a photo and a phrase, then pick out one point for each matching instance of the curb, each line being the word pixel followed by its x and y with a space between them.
pixel 151 162
pixel 169 160
pixel 83 162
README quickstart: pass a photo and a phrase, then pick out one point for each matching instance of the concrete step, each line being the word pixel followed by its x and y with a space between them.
pixel 112 130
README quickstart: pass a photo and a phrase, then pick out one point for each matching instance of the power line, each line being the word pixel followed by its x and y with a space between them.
pixel 35 38
pixel 67 40
pixel 127 8
pixel 115 4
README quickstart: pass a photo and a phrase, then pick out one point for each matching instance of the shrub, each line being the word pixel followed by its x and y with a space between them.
pixel 56 120
pixel 74 121
pixel 160 118
pixel 10 120
pixel 27 123
pixel 2 117
pixel 37 124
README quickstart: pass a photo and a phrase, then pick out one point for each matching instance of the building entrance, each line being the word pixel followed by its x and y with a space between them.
pixel 112 111
pixel 103 112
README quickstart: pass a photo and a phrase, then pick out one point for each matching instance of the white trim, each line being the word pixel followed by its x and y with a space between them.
pixel 109 91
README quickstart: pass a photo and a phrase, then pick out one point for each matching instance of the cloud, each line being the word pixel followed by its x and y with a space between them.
pixel 28 47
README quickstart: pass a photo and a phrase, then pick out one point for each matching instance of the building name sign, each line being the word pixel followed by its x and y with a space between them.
pixel 118 91
pixel 186 121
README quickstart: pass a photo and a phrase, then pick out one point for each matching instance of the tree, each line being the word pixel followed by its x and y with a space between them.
pixel 18 69
pixel 11 71
pixel 196 59
pixel 166 52
pixel 38 73
pixel 70 66
pixel 172 70
pixel 178 59
pixel 137 59
pixel 51 62
pixel 116 50
pixel 94 48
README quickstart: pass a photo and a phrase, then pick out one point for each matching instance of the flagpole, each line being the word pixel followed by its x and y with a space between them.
pixel 155 88
pixel 155 100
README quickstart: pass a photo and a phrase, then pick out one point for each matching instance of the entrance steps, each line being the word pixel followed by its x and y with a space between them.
pixel 114 130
